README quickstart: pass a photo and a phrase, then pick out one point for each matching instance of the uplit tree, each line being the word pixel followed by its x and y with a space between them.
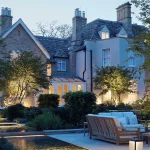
pixel 118 80
pixel 22 76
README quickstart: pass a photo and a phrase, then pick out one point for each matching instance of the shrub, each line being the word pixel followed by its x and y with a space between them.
pixel 15 111
pixel 3 113
pixel 48 100
pixel 79 104
pixel 123 107
pixel 101 108
pixel 5 145
pixel 46 121
pixel 32 112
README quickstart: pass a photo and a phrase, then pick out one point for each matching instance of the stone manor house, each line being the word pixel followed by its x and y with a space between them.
pixel 72 61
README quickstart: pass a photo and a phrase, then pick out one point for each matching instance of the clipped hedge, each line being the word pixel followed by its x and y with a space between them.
pixel 48 100
pixel 15 111
pixel 79 104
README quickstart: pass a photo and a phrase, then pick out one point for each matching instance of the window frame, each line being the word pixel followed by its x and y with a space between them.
pixel 106 57
pixel 105 33
pixel 131 58
pixel 61 62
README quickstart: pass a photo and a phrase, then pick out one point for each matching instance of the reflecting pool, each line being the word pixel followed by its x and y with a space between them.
pixel 41 143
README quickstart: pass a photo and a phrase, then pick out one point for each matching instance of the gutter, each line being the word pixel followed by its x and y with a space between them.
pixel 91 70
pixel 84 64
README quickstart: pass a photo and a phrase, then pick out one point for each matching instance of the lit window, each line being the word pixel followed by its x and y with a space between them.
pixel 61 65
pixel 48 69
pixel 106 57
pixel 105 35
pixel 131 59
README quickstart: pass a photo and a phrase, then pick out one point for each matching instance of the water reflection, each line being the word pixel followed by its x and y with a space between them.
pixel 41 143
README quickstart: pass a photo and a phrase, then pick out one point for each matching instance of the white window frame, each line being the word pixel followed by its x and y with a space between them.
pixel 104 57
pixel 131 59
pixel 14 54
pixel 61 62
pixel 105 35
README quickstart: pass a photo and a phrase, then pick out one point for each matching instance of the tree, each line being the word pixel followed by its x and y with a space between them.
pixel 118 80
pixel 53 30
pixel 22 76
pixel 140 44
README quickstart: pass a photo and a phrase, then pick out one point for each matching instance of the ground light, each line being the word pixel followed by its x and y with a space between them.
pixel 136 144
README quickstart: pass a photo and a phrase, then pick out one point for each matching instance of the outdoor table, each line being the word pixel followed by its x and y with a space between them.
pixel 147 135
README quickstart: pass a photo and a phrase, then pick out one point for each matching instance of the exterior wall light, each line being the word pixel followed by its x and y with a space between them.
pixel 136 144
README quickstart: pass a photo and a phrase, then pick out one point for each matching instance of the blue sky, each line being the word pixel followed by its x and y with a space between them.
pixel 33 11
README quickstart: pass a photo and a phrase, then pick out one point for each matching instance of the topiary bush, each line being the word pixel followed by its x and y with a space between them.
pixel 79 104
pixel 48 100
pixel 15 111
pixel 46 121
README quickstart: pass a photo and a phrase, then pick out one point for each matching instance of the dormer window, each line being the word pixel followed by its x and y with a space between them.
pixel 105 35
pixel 104 32
pixel 122 33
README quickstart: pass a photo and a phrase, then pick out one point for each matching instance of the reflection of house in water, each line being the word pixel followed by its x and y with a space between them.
pixel 72 61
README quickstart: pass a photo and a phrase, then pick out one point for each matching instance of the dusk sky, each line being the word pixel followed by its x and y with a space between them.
pixel 34 11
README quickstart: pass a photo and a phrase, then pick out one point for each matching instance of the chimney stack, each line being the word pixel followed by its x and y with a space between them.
pixel 124 16
pixel 78 21
pixel 5 19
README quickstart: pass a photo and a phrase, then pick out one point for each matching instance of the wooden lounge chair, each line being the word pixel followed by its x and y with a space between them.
pixel 109 129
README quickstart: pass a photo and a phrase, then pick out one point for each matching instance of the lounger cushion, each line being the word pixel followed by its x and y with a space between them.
pixel 132 119
pixel 126 114
pixel 117 114
pixel 104 114
pixel 122 121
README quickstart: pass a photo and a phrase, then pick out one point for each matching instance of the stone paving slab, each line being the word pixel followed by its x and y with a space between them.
pixel 92 144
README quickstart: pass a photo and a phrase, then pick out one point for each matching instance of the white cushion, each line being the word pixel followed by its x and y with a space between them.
pixel 122 121
pixel 127 114
pixel 117 114
pixel 134 125
pixel 91 114
pixel 132 119
pixel 104 114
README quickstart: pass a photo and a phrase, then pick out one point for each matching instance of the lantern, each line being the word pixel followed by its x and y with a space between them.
pixel 135 144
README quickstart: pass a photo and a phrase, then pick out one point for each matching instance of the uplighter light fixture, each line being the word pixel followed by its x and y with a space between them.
pixel 136 144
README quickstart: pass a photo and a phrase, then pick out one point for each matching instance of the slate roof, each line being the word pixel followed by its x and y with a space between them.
pixel 59 47
pixel 56 47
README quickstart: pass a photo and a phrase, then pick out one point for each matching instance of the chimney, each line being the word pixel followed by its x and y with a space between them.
pixel 124 15
pixel 5 20
pixel 78 21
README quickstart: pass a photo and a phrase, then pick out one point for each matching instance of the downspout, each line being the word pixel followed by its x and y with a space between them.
pixel 84 63
pixel 91 71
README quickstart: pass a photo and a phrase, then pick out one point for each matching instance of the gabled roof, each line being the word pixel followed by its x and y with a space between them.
pixel 56 47
pixel 20 22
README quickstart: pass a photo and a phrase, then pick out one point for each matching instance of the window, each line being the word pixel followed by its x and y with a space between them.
pixel 106 57
pixel 131 59
pixel 48 69
pixel 14 54
pixel 61 65
pixel 105 35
